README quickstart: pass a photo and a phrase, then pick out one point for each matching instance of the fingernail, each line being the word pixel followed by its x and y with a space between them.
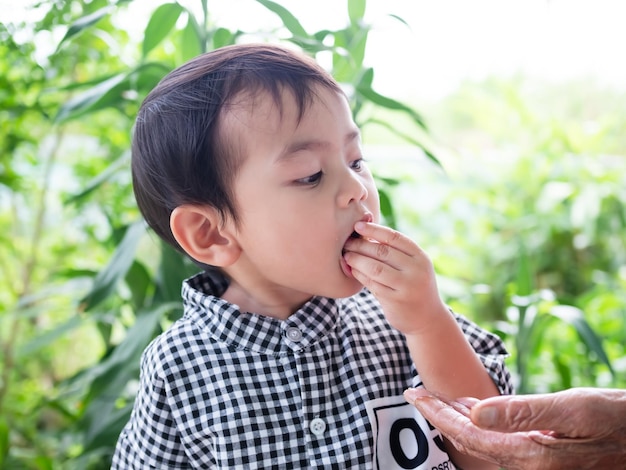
pixel 411 394
pixel 359 226
pixel 463 405
pixel 486 416
pixel 467 401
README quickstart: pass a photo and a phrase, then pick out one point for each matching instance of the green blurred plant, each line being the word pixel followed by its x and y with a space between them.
pixel 528 229
pixel 531 315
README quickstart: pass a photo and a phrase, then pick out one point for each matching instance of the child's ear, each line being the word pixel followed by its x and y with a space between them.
pixel 198 230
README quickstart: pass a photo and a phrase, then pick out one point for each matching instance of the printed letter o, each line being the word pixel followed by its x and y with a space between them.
pixel 396 448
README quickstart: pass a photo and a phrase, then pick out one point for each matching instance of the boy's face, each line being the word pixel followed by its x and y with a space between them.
pixel 299 191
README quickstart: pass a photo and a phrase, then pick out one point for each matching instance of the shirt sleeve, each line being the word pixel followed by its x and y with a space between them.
pixel 150 439
pixel 491 351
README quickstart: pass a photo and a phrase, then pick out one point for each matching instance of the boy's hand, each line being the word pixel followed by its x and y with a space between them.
pixel 398 273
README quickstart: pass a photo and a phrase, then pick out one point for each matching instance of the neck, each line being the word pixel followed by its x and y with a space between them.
pixel 263 300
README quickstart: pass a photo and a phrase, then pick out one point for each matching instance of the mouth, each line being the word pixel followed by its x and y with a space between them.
pixel 354 234
pixel 366 218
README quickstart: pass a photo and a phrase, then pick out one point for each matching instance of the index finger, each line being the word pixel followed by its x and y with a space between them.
pixel 387 236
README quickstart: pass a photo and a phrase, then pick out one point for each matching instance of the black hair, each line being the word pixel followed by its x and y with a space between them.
pixel 178 154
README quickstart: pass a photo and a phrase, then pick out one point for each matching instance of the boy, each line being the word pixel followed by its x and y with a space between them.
pixel 310 320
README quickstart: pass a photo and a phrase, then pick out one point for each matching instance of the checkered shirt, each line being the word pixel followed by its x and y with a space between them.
pixel 225 389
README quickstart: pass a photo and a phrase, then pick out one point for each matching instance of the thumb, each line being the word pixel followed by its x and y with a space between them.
pixel 524 413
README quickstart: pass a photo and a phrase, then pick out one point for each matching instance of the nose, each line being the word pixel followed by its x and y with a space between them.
pixel 353 189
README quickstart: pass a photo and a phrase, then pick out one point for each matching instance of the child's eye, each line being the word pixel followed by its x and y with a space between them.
pixel 311 180
pixel 357 165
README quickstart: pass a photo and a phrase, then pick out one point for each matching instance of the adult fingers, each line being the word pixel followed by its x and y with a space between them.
pixel 532 450
pixel 507 450
pixel 565 413
pixel 451 422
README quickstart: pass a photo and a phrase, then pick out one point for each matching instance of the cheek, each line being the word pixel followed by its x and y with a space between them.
pixel 302 232
pixel 278 227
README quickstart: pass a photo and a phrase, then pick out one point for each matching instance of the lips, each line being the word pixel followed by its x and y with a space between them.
pixel 366 218
pixel 352 235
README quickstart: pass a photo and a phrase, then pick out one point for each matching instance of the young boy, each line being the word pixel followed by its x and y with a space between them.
pixel 310 319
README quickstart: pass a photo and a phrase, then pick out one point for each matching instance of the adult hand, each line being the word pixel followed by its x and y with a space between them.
pixel 580 428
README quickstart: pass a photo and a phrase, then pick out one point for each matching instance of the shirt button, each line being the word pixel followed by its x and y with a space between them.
pixel 294 334
pixel 317 426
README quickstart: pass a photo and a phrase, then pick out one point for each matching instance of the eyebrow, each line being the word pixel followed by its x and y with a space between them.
pixel 312 144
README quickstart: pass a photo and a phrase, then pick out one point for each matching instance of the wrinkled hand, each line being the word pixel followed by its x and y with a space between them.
pixel 580 428
pixel 397 272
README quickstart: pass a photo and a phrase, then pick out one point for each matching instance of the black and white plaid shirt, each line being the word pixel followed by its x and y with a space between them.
pixel 323 389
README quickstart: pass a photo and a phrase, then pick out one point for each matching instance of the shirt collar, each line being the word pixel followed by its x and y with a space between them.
pixel 226 323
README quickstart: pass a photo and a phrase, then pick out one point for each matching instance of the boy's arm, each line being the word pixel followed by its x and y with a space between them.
pixel 400 275
pixel 448 365
pixel 446 362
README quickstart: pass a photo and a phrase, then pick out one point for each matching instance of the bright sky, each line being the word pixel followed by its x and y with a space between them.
pixel 449 40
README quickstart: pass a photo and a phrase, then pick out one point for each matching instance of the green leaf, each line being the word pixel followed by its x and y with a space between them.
pixel 289 21
pixel 106 280
pixel 344 68
pixel 386 208
pixel 85 22
pixel 368 78
pixel 356 11
pixel 364 88
pixel 532 327
pixel 574 317
pixel 105 431
pixel 222 37
pixel 564 372
pixel 173 269
pixel 408 138
pixel 102 419
pixel 401 20
pixel 533 330
pixel 49 337
pixel 145 77
pixel 387 181
pixel 123 359
pixel 161 23
pixel 101 178
pixel 89 98
pixel 321 35
pixel 109 91
pixel 357 45
pixel 139 282
pixel 191 42
pixel 4 441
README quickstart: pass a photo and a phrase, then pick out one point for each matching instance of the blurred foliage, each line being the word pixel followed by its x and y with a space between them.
pixel 526 226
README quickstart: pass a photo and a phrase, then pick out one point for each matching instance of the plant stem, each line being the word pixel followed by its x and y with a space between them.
pixel 8 348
